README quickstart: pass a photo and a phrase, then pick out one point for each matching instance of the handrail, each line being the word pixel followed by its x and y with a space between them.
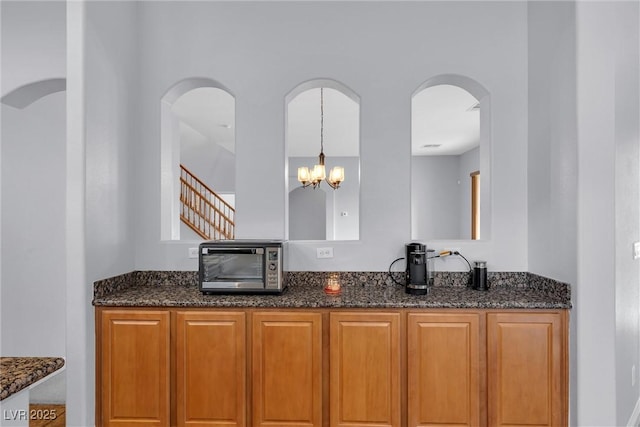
pixel 203 210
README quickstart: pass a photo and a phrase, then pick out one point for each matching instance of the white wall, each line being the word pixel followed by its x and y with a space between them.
pixel 33 218
pixel 33 180
pixel 608 211
pixel 441 195
pixel 101 146
pixel 435 197
pixel 207 160
pixel 111 83
pixel 33 42
pixel 552 161
pixel 553 154
pixel 392 50
pixel 627 209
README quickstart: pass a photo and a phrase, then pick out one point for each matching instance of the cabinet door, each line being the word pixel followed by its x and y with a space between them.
pixel 444 385
pixel 135 368
pixel 287 369
pixel 210 368
pixel 365 369
pixel 526 372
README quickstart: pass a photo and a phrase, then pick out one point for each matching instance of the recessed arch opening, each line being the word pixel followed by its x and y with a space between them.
pixel 197 160
pixel 448 161
pixel 26 95
pixel 323 114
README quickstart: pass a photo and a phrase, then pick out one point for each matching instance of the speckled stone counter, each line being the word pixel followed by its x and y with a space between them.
pixel 359 290
pixel 18 373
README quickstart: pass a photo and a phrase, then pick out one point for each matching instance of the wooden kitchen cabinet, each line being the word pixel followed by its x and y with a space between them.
pixel 133 370
pixel 365 369
pixel 356 368
pixel 444 365
pixel 287 368
pixel 527 369
pixel 210 366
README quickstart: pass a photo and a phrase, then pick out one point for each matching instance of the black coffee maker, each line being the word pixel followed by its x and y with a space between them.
pixel 417 274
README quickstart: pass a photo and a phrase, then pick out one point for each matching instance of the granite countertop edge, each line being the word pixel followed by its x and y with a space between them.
pixel 516 290
pixel 18 373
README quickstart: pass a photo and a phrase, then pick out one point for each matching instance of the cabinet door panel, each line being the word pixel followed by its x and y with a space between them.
pixel 444 369
pixel 135 368
pixel 365 369
pixel 525 369
pixel 210 368
pixel 287 369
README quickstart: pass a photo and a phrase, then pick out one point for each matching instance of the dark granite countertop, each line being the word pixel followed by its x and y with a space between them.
pixel 18 373
pixel 359 290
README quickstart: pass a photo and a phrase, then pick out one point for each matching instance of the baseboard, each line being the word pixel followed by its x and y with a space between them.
pixel 634 419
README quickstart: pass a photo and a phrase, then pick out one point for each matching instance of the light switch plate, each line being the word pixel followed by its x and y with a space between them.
pixel 636 250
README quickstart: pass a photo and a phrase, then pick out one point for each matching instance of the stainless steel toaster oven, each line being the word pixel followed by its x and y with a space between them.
pixel 241 266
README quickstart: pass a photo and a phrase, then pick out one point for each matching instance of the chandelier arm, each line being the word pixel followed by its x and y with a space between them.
pixel 335 186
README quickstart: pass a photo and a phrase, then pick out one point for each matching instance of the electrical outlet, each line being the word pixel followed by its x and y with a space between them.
pixel 193 252
pixel 324 253
pixel 636 250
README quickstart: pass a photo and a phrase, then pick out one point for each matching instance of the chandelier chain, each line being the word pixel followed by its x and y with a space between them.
pixel 321 120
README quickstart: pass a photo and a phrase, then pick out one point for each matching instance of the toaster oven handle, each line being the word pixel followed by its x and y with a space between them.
pixel 248 251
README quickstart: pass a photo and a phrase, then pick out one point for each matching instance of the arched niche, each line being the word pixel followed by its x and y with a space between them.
pixel 34 158
pixel 450 160
pixel 340 117
pixel 26 95
pixel 197 132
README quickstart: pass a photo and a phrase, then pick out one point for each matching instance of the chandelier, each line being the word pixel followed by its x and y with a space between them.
pixel 317 174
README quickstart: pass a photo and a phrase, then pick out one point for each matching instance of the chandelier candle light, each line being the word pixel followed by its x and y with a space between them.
pixel 316 175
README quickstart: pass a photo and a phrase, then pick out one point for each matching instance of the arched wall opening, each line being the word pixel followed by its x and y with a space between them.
pixel 421 210
pixel 33 229
pixel 186 133
pixel 26 95
pixel 337 124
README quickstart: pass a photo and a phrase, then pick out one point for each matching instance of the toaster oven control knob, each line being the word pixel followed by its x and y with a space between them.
pixel 272 266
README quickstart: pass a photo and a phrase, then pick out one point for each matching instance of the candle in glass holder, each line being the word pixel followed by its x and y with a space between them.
pixel 333 285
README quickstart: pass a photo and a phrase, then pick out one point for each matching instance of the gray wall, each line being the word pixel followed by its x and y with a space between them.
pixel 383 51
pixel 553 153
pixel 101 155
pixel 33 177
pixel 441 196
pixel 435 197
pixel 627 208
pixel 308 214
pixel 33 220
pixel 209 161
pixel 583 191
pixel 608 188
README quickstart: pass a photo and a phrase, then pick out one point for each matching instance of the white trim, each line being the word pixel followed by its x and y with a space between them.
pixel 635 416
pixel 46 378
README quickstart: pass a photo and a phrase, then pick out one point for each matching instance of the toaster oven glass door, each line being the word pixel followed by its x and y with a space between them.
pixel 225 268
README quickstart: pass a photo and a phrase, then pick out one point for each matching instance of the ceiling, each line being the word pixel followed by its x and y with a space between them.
pixel 442 115
pixel 445 119
pixel 211 112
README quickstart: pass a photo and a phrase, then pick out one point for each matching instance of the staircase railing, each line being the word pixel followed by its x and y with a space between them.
pixel 204 211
